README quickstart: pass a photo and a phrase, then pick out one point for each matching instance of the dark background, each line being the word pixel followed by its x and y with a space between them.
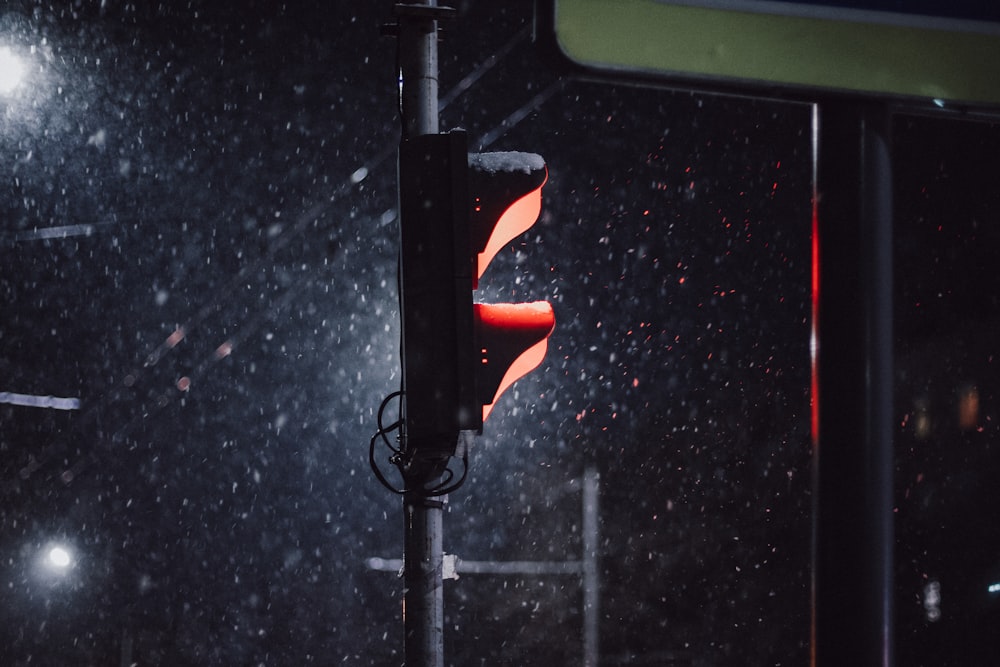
pixel 231 172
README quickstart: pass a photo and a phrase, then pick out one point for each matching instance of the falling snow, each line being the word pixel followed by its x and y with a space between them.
pixel 201 320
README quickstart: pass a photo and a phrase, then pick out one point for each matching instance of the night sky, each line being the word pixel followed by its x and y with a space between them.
pixel 200 245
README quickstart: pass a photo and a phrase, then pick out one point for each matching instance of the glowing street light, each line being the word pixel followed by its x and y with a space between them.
pixel 11 70
pixel 56 562
pixel 59 558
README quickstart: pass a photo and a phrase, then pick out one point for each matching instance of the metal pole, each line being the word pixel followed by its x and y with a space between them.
pixel 852 611
pixel 418 64
pixel 591 573
pixel 423 605
pixel 425 572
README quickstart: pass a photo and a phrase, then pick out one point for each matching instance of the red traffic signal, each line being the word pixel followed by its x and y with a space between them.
pixel 512 338
pixel 505 200
pixel 457 211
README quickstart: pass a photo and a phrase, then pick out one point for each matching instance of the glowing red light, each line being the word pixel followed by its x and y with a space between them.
pixel 513 341
pixel 814 333
pixel 516 220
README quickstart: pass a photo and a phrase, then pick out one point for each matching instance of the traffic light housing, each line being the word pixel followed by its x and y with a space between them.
pixel 457 211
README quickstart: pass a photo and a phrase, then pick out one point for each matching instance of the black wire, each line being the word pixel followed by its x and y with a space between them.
pixel 472 77
pixel 520 114
pixel 383 432
pixel 439 491
pixel 443 487
pixel 378 472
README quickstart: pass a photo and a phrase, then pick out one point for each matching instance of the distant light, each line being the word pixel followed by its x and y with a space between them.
pixel 11 70
pixel 994 588
pixel 59 558
pixel 968 408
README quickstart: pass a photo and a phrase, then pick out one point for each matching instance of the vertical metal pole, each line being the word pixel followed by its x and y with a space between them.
pixel 852 615
pixel 423 605
pixel 591 573
pixel 418 63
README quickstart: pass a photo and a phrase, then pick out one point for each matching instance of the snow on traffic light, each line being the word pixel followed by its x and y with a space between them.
pixel 505 200
pixel 457 211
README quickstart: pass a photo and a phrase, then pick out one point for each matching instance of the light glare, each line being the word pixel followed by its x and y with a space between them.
pixel 59 557
pixel 11 70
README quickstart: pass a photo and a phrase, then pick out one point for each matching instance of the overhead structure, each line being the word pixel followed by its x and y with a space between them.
pixel 930 53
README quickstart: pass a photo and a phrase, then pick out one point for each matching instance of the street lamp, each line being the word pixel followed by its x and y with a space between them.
pixel 59 558
pixel 56 562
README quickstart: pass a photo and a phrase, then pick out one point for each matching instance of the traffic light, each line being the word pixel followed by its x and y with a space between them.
pixel 505 200
pixel 457 211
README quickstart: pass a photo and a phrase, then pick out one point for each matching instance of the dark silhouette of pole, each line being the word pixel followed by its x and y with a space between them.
pixel 852 614
pixel 423 605
pixel 418 64
pixel 590 569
